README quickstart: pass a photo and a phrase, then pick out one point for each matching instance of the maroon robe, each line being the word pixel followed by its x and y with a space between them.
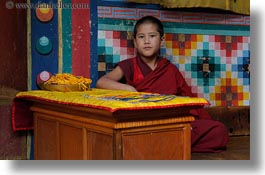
pixel 206 135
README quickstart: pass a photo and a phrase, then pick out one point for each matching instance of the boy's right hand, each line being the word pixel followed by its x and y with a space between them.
pixel 130 88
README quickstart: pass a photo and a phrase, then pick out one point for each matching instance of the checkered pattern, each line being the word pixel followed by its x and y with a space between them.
pixel 113 46
pixel 216 67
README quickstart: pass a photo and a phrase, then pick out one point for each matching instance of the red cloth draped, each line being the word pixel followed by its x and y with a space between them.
pixel 206 135
pixel 22 117
pixel 165 79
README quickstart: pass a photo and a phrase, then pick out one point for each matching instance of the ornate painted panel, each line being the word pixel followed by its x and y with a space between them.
pixel 211 50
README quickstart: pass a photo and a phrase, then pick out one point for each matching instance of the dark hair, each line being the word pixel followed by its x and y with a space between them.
pixel 149 19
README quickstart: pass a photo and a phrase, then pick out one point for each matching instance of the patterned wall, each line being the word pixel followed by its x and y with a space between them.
pixel 68 31
pixel 211 50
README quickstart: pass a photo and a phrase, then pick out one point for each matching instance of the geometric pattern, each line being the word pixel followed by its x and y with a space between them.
pixel 230 93
pixel 215 66
pixel 173 16
pixel 113 46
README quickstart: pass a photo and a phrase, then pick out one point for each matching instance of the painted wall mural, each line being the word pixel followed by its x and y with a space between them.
pixel 212 50
pixel 69 34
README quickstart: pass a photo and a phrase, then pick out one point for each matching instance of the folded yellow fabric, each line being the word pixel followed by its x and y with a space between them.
pixel 237 6
pixel 113 100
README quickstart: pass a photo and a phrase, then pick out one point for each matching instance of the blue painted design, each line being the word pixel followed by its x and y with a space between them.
pixel 206 89
pixel 116 58
pixel 246 81
pixel 93 42
pixel 134 99
pixel 101 42
pixel 41 62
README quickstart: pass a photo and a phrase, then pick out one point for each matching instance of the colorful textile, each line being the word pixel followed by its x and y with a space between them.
pixel 214 63
pixel 111 100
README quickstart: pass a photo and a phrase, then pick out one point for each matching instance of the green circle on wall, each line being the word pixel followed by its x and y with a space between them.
pixel 44 45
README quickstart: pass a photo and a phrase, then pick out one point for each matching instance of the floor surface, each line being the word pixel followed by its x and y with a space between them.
pixel 238 148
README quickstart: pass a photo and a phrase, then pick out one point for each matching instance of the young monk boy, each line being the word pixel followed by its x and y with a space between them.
pixel 148 72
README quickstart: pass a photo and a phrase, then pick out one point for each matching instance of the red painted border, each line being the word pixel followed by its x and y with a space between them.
pixel 81 38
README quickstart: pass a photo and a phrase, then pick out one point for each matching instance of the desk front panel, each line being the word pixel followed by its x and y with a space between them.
pixel 81 136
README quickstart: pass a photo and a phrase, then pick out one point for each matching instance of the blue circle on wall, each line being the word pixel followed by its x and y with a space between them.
pixel 44 45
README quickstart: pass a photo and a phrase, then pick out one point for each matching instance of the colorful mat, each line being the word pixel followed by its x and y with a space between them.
pixel 110 100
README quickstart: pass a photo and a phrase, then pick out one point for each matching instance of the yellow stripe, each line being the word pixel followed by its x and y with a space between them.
pixel 227 7
pixel 29 135
pixel 60 51
pixel 113 100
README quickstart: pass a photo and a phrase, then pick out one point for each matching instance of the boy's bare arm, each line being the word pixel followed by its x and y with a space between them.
pixel 110 81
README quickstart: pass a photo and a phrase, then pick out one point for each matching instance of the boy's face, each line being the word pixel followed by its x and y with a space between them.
pixel 148 40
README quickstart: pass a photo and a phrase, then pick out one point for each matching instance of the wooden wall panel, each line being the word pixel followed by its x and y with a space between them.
pixel 13 46
pixel 13 75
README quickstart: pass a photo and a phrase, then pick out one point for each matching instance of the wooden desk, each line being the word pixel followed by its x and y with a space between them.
pixel 74 132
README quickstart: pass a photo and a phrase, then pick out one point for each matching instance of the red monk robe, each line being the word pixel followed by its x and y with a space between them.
pixel 207 135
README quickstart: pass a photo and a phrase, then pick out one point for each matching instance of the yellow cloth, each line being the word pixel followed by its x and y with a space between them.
pixel 237 6
pixel 113 100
